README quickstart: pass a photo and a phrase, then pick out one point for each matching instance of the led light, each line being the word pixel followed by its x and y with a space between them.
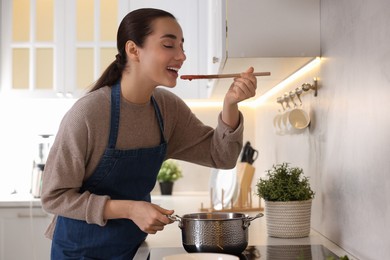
pixel 263 98
pixel 285 83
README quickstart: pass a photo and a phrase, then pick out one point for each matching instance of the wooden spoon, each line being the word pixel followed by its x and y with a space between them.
pixel 220 76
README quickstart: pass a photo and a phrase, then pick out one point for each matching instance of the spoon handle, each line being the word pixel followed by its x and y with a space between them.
pixel 221 76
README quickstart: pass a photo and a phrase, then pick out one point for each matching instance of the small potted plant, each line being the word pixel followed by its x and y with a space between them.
pixel 168 174
pixel 288 197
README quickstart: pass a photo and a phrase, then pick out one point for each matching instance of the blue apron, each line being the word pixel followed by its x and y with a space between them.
pixel 123 175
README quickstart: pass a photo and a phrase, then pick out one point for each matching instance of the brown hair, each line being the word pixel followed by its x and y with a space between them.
pixel 135 26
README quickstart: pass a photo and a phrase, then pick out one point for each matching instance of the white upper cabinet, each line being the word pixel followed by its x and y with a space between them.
pixel 273 28
pixel 276 36
pixel 58 48
pixel 216 35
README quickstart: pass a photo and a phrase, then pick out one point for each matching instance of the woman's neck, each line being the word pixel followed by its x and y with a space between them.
pixel 134 90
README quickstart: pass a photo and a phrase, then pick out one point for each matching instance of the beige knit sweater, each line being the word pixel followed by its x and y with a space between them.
pixel 83 137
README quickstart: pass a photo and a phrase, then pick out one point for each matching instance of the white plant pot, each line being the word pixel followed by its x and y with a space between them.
pixel 289 219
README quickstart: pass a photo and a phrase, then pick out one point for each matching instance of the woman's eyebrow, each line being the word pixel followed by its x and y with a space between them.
pixel 171 36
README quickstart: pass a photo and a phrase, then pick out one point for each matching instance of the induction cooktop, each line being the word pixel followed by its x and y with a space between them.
pixel 270 252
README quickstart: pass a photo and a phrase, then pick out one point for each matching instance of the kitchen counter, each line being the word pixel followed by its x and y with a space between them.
pixel 170 237
pixel 185 203
pixel 19 200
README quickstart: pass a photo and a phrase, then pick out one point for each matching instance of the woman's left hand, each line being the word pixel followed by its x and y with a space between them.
pixel 242 88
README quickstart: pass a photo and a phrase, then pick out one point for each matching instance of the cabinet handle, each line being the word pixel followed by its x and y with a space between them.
pixel 215 59
pixel 25 215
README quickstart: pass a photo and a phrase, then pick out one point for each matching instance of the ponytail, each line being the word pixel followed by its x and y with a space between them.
pixel 112 73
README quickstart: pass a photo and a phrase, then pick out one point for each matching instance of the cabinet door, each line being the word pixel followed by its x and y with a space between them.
pixel 216 48
pixel 28 46
pixel 216 35
pixel 22 234
pixel 273 28
pixel 56 48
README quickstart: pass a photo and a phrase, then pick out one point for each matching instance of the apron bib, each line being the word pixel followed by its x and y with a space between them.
pixel 123 175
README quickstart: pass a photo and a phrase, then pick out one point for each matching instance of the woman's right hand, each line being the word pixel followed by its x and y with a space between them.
pixel 149 217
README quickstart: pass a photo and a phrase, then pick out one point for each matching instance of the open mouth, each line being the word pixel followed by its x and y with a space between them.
pixel 173 70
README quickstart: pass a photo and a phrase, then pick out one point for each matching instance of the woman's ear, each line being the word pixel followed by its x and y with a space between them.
pixel 132 51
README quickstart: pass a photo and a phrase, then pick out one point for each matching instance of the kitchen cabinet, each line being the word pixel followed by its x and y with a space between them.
pixel 273 28
pixel 56 48
pixel 22 233
pixel 64 54
pixel 271 35
pixel 216 35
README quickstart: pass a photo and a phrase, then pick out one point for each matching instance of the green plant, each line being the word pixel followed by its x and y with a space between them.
pixel 169 172
pixel 284 183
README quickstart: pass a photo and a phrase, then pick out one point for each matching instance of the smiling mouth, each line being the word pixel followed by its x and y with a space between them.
pixel 174 71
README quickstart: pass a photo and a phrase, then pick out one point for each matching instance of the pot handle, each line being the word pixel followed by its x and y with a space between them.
pixel 247 220
pixel 176 218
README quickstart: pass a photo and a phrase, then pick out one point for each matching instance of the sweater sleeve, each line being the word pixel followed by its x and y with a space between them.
pixel 65 172
pixel 191 140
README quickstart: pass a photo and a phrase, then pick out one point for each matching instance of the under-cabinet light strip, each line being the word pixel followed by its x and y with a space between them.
pixel 308 67
pixel 257 102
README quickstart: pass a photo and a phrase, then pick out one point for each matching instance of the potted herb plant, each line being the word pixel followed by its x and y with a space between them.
pixel 168 174
pixel 288 198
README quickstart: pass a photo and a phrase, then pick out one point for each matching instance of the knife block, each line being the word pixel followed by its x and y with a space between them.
pixel 245 172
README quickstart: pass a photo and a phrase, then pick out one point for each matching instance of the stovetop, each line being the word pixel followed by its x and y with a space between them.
pixel 270 252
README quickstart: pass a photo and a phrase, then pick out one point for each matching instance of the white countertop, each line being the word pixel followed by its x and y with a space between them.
pixel 22 200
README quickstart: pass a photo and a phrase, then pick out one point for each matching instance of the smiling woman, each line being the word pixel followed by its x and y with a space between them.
pixel 125 124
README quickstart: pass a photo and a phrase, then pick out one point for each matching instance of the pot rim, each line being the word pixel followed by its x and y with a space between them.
pixel 212 216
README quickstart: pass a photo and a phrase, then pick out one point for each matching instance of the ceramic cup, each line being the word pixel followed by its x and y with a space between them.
pixel 298 119
pixel 279 125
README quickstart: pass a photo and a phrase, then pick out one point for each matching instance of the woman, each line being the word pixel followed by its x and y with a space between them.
pixel 112 142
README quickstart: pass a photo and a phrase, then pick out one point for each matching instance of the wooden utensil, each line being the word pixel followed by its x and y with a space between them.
pixel 221 76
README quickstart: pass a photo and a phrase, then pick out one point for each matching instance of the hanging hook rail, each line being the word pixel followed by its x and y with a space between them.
pixel 298 92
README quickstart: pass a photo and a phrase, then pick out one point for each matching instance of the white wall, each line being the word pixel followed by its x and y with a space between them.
pixel 22 120
pixel 345 151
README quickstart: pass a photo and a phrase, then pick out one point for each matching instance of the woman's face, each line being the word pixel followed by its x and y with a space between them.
pixel 162 55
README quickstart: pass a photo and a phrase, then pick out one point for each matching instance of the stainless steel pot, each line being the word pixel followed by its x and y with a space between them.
pixel 215 232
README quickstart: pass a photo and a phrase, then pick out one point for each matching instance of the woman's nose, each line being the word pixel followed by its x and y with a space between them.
pixel 181 55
